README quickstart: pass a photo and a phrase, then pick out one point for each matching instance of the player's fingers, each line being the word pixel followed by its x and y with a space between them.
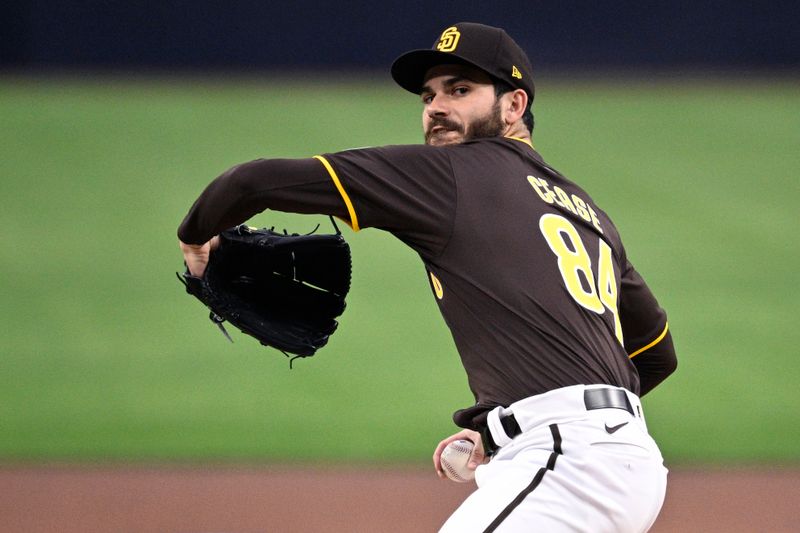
pixel 477 456
pixel 196 257
pixel 443 444
pixel 467 434
pixel 437 454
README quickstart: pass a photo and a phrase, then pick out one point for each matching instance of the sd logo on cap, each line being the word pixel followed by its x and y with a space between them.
pixel 486 47
pixel 449 39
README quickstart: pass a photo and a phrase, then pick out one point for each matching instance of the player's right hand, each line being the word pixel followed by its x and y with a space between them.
pixel 476 458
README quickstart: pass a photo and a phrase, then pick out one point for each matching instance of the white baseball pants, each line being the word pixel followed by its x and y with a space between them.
pixel 570 470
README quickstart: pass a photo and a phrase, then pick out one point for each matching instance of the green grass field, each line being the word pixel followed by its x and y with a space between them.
pixel 105 358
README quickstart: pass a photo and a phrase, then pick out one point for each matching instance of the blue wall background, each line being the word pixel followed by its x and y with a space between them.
pixel 251 34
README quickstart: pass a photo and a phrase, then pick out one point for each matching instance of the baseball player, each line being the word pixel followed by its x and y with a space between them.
pixel 558 333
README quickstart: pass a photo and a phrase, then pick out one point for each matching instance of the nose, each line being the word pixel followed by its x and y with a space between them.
pixel 437 108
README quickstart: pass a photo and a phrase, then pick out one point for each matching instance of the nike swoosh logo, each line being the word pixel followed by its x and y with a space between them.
pixel 614 429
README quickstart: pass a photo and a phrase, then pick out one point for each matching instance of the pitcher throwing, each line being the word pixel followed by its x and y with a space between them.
pixel 557 331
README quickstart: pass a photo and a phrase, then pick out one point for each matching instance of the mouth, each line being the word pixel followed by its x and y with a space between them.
pixel 443 131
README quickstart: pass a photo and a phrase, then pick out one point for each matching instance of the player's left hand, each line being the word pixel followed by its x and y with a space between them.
pixel 476 458
pixel 196 255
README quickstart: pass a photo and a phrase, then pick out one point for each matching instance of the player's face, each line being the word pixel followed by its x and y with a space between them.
pixel 459 104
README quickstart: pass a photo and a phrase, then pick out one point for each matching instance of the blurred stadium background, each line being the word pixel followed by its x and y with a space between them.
pixel 682 119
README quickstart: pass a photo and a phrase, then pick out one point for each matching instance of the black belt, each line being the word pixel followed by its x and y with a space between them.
pixel 592 399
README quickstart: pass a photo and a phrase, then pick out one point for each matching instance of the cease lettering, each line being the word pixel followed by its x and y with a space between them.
pixel 571 203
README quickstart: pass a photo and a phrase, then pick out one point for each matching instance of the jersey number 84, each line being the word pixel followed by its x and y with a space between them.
pixel 597 294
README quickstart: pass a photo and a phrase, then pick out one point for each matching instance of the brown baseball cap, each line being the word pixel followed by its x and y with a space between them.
pixel 486 47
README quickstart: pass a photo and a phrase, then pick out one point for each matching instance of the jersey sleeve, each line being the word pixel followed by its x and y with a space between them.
pixel 292 185
pixel 409 191
pixel 648 340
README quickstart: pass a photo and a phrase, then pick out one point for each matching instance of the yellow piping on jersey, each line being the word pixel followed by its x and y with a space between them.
pixel 520 139
pixel 353 218
pixel 658 339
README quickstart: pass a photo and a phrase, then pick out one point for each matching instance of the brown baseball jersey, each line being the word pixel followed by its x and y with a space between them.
pixel 529 273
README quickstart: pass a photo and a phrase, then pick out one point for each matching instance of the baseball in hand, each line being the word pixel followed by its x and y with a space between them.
pixel 454 461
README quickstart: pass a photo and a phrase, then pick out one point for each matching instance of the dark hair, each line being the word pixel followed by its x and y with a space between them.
pixel 500 88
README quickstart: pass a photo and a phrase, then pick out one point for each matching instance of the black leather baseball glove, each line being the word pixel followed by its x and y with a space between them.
pixel 283 289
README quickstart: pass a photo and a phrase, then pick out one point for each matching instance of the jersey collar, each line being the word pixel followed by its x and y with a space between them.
pixel 520 139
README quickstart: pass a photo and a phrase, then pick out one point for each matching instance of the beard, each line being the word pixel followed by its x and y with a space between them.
pixel 489 125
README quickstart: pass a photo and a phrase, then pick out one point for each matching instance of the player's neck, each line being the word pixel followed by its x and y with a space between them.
pixel 519 132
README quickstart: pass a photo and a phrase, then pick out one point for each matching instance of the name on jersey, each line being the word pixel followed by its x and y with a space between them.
pixel 568 202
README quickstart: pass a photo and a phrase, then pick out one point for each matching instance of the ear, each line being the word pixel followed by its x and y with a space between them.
pixel 514 105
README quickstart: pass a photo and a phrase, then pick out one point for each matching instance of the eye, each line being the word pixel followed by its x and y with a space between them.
pixel 461 90
pixel 427 98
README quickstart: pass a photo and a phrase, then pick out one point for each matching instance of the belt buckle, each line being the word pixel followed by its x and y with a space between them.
pixel 607 398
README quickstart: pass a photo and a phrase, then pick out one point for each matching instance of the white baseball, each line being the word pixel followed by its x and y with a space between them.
pixel 454 461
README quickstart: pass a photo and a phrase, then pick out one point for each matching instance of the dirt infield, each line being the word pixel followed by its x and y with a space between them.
pixel 281 499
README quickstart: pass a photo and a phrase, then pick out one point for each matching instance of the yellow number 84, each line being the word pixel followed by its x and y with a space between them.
pixel 595 294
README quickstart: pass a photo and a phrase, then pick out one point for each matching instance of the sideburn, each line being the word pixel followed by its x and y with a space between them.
pixel 491 125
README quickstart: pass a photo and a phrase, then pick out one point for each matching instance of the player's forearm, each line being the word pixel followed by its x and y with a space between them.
pixel 655 364
pixel 222 204
pixel 296 185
